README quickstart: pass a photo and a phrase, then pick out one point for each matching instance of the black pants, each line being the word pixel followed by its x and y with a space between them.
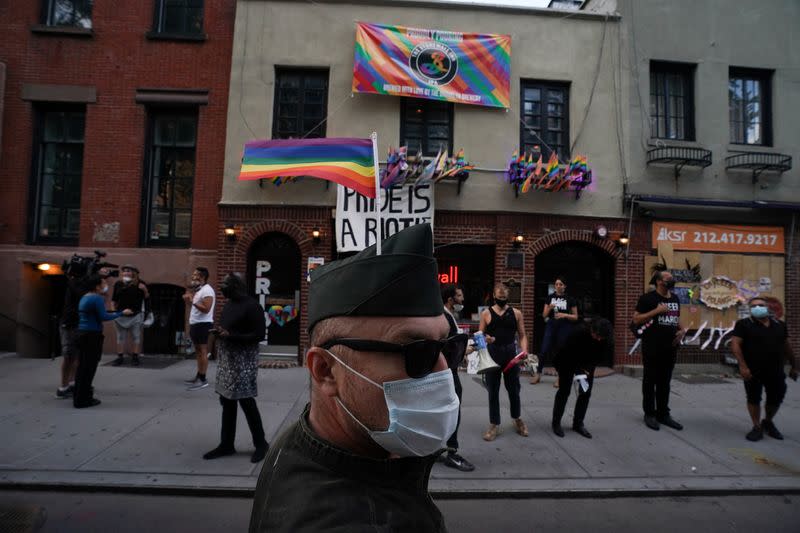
pixel 565 376
pixel 90 349
pixel 229 412
pixel 452 442
pixel 502 355
pixel 658 365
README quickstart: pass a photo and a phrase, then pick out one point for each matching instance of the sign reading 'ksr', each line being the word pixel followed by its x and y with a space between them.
pixel 719 237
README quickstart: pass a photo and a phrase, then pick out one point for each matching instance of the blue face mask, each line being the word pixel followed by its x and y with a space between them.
pixel 759 311
pixel 423 413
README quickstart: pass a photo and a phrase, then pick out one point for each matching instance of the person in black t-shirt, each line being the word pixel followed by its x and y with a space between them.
pixel 453 300
pixel 560 312
pixel 761 345
pixel 129 293
pixel 68 330
pixel 660 310
pixel 580 353
pixel 501 323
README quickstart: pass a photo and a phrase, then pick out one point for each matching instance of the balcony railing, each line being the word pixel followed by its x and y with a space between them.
pixel 759 162
pixel 680 157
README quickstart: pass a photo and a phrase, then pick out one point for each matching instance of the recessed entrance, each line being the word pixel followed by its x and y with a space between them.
pixel 590 280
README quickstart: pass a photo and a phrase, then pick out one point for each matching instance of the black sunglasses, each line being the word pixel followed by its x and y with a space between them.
pixel 420 356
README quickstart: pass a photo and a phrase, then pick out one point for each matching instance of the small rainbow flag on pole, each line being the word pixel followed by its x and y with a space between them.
pixel 348 162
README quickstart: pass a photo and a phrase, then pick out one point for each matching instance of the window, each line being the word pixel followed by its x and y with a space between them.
pixel 74 13
pixel 426 124
pixel 301 102
pixel 57 180
pixel 179 17
pixel 545 117
pixel 749 105
pixel 170 178
pixel 672 100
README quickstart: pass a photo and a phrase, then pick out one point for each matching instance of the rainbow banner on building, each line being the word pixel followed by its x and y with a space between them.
pixel 468 68
pixel 348 162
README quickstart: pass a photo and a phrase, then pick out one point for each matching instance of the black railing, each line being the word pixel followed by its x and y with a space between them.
pixel 680 156
pixel 758 162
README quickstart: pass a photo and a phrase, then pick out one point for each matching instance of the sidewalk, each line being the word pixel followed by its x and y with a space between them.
pixel 149 435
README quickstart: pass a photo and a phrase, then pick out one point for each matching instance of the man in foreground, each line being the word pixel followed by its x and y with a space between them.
pixel 382 399
pixel 761 345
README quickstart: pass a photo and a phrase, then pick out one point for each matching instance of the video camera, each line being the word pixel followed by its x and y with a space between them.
pixel 80 266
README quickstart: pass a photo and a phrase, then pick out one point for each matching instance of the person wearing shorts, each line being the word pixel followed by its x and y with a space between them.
pixel 201 297
pixel 761 345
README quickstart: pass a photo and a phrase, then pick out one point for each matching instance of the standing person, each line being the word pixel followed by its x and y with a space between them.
pixel 201 297
pixel 241 327
pixel 453 299
pixel 560 313
pixel 92 313
pixel 382 399
pixel 580 353
pixel 662 310
pixel 129 293
pixel 761 345
pixel 68 329
pixel 501 323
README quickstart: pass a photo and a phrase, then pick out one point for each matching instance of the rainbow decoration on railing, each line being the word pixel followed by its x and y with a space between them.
pixel 525 175
pixel 401 169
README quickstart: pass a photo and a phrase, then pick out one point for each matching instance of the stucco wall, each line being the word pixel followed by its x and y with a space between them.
pixel 543 46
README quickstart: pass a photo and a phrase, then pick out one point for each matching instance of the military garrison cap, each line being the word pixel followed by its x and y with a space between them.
pixel 402 281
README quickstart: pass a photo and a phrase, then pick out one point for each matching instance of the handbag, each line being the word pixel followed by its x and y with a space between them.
pixel 640 329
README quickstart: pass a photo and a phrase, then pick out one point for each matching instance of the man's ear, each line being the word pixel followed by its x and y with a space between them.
pixel 320 364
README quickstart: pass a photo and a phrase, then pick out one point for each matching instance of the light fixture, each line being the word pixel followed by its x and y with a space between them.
pixel 601 232
pixel 315 234
pixel 230 232
pixel 44 267
pixel 624 239
pixel 519 238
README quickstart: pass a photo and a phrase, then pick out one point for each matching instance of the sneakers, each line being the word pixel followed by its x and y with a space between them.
pixel 64 393
pixel 651 422
pixel 557 429
pixel 259 454
pixel 769 427
pixel 120 360
pixel 201 384
pixel 218 452
pixel 93 402
pixel 580 429
pixel 453 460
pixel 671 423
pixel 755 434
pixel 521 428
pixel 490 433
pixel 135 360
pixel 192 381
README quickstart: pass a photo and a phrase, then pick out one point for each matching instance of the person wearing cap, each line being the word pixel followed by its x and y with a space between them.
pixel 129 293
pixel 382 403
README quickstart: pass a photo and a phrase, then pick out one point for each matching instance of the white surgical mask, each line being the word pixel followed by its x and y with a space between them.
pixel 104 289
pixel 458 307
pixel 127 279
pixel 423 413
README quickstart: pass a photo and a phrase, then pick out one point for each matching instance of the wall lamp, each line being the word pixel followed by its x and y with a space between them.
pixel 230 232
pixel 624 240
pixel 316 235
pixel 44 267
pixel 519 238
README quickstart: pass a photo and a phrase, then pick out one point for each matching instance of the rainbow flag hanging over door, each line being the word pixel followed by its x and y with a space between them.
pixel 348 162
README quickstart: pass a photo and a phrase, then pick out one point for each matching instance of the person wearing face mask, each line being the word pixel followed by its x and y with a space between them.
pixel 453 299
pixel 200 296
pixel 579 354
pixel 129 293
pixel 92 313
pixel 501 324
pixel 382 403
pixel 560 312
pixel 761 345
pixel 241 327
pixel 660 309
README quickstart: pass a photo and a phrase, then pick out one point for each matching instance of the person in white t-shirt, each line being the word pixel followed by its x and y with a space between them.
pixel 201 297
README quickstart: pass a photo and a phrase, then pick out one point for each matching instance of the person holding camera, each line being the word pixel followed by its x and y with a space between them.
pixel 92 313
pixel 129 293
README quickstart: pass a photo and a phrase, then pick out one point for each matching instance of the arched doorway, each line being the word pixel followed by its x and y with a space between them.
pixel 169 312
pixel 590 280
pixel 273 277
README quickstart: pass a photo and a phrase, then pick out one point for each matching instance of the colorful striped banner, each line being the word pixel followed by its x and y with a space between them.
pixel 348 162
pixel 468 68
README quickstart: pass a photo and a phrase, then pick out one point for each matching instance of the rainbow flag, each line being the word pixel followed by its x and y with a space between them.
pixel 348 162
